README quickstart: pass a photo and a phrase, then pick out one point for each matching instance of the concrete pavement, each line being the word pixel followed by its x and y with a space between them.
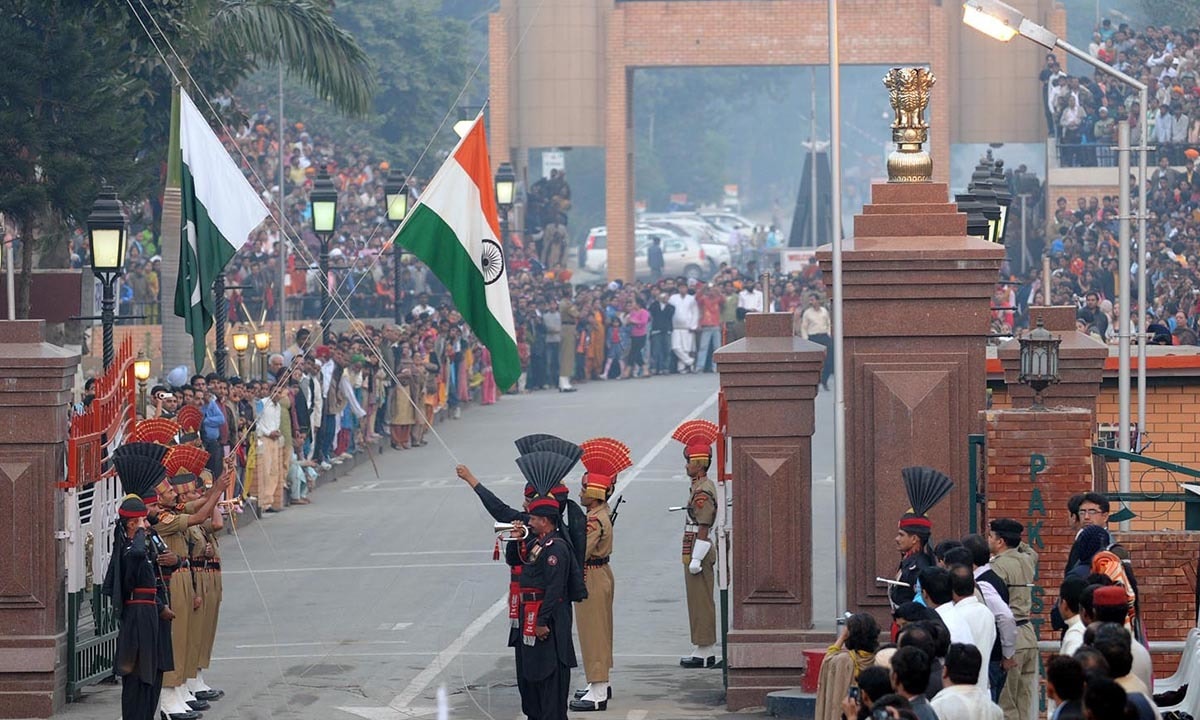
pixel 383 591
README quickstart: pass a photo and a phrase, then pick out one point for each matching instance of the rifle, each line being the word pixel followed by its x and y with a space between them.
pixel 612 515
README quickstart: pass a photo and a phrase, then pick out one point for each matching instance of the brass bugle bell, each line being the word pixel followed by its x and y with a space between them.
pixel 503 531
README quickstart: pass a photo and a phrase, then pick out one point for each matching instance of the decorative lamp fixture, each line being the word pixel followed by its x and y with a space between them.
pixel 106 234
pixel 506 182
pixel 141 368
pixel 977 224
pixel 262 340
pixel 324 199
pixel 1004 22
pixel 1039 361
pixel 395 192
pixel 241 341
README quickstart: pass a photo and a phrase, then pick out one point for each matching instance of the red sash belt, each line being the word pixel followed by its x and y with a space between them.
pixel 531 605
pixel 143 596
pixel 514 596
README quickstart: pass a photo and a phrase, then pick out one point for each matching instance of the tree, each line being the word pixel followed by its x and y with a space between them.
pixel 70 121
pixel 221 42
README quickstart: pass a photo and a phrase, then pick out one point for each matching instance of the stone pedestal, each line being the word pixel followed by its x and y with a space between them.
pixel 769 379
pixel 1080 363
pixel 916 314
pixel 35 393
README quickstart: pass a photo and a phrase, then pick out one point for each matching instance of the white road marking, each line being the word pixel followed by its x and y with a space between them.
pixel 261 571
pixel 399 706
pixel 323 642
pixel 426 552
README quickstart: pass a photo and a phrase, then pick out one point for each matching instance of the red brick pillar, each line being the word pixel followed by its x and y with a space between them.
pixel 36 379
pixel 770 379
pixel 1080 363
pixel 1036 460
pixel 917 298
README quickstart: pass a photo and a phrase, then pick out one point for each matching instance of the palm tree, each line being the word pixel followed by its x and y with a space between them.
pixel 221 42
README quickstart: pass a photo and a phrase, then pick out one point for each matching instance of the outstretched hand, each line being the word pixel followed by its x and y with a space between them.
pixel 466 475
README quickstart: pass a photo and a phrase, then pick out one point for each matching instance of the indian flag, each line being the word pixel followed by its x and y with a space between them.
pixel 454 230
pixel 220 210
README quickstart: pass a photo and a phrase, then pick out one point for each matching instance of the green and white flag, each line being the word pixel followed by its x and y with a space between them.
pixel 455 231
pixel 220 210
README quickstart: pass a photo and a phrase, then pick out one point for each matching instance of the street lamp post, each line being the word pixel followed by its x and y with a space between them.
pixel 506 182
pixel 106 237
pixel 324 199
pixel 221 355
pixel 262 341
pixel 395 192
pixel 241 342
pixel 1039 361
pixel 1004 22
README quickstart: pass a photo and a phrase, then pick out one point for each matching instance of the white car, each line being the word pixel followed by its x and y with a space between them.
pixel 714 242
pixel 682 254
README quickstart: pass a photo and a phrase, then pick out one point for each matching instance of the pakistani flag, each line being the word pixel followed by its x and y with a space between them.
pixel 220 210
pixel 454 230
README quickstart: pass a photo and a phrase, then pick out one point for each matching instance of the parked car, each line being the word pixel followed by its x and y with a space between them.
pixel 682 254
pixel 727 221
pixel 715 242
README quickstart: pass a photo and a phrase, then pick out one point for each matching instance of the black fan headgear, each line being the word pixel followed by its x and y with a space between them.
pixel 925 488
pixel 139 474
pixel 560 446
pixel 544 471
pixel 525 444
pixel 154 451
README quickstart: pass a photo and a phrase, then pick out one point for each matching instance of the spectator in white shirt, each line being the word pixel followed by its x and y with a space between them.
pixel 937 594
pixel 750 298
pixel 684 324
pixel 271 452
pixel 978 618
pixel 961 698
pixel 1069 594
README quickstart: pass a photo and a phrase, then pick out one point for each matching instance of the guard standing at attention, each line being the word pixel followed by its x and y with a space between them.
pixel 699 557
pixel 546 652
pixel 129 582
pixel 925 488
pixel 603 458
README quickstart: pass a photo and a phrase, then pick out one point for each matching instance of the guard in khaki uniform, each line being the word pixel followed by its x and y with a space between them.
pixel 603 458
pixel 173 526
pixel 1016 564
pixel 699 556
pixel 206 569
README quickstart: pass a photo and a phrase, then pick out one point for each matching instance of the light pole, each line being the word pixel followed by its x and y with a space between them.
pixel 1004 22
pixel 506 183
pixel 395 193
pixel 324 199
pixel 262 341
pixel 141 371
pixel 106 237
pixel 221 355
pixel 241 342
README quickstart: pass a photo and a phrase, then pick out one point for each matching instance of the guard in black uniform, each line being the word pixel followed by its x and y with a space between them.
pixel 925 488
pixel 129 582
pixel 546 653
pixel 139 467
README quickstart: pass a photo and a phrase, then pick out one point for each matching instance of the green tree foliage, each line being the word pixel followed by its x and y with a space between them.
pixel 1179 14
pixel 69 121
pixel 419 63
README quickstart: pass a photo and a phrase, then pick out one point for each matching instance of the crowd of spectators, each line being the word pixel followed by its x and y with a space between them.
pixel 1082 110
pixel 964 648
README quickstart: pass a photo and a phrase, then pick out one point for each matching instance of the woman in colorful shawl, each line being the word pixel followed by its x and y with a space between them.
pixel 853 650
pixel 488 392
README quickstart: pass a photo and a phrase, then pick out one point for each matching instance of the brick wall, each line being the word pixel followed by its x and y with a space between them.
pixel 1173 428
pixel 1036 461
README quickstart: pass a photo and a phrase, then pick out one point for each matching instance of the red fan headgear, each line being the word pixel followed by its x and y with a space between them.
pixel 697 437
pixel 189 418
pixel 186 459
pixel 603 457
pixel 156 430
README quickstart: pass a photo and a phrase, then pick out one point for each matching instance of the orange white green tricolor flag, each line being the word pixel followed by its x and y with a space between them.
pixel 455 231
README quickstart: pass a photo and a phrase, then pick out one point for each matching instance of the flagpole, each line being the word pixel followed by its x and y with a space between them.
pixel 281 242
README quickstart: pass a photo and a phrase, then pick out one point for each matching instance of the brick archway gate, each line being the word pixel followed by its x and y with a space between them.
pixel 698 33
pixel 571 83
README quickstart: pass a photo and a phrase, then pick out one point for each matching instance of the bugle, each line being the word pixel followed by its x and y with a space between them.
pixel 504 531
